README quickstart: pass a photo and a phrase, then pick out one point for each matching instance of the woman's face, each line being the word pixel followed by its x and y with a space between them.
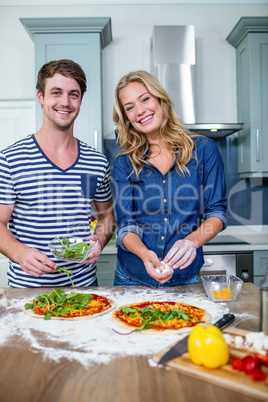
pixel 142 109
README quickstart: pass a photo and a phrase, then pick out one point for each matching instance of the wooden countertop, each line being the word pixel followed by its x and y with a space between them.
pixel 26 376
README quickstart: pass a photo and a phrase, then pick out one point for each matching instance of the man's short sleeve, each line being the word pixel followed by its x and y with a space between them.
pixel 7 192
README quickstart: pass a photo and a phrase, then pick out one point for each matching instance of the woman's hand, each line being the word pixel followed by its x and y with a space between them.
pixel 151 262
pixel 181 254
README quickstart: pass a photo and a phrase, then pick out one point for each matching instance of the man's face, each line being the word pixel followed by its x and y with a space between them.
pixel 61 101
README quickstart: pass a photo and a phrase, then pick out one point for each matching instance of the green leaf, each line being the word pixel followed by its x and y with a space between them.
pixel 42 300
pixel 80 246
pixel 128 310
pixel 145 325
pixel 69 273
pixel 28 306
pixel 47 316
pixel 65 242
pixel 57 297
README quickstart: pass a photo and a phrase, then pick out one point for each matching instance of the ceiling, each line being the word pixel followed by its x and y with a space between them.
pixel 124 2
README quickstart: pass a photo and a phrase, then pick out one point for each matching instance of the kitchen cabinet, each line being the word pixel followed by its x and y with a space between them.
pixel 250 38
pixel 260 259
pixel 106 265
pixel 81 40
pixel 3 271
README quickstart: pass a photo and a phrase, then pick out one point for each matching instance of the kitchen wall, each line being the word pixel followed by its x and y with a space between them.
pixel 132 27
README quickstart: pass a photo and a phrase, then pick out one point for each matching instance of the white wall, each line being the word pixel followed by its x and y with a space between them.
pixel 132 27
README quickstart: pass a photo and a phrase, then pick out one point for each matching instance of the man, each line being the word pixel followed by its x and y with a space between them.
pixel 48 183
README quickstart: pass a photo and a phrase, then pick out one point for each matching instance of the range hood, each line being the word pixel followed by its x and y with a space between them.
pixel 173 64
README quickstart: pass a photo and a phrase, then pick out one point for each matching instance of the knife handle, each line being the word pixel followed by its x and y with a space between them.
pixel 226 320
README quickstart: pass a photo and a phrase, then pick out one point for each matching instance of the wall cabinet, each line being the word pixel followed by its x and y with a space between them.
pixel 250 38
pixel 81 40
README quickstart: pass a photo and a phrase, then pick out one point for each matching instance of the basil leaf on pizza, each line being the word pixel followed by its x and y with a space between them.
pixel 70 306
pixel 154 317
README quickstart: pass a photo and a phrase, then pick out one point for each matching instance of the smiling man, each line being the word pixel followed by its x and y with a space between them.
pixel 49 181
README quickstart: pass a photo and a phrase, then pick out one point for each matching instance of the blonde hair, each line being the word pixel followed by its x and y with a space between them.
pixel 173 131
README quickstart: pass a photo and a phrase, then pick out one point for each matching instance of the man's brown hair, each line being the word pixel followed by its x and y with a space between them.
pixel 67 68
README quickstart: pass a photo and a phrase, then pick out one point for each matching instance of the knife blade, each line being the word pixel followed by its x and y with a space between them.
pixel 182 345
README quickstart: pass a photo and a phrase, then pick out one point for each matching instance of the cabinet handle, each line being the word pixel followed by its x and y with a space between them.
pixel 257 145
pixel 96 139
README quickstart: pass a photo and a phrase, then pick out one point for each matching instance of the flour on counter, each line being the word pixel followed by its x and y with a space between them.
pixel 93 341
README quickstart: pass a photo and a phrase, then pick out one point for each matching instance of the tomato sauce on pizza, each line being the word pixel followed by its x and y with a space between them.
pixel 156 316
pixel 59 305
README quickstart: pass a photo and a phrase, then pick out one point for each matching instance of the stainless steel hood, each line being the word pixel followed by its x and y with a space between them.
pixel 215 130
pixel 173 64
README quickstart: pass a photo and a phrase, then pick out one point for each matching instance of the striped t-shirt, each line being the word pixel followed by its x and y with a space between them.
pixel 49 202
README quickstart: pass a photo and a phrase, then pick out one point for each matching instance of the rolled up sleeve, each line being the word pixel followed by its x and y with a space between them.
pixel 215 202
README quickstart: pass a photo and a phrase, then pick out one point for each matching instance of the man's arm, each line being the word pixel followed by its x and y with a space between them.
pixel 105 227
pixel 31 260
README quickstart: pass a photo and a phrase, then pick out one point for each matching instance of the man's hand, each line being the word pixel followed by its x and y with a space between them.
pixel 94 256
pixel 36 263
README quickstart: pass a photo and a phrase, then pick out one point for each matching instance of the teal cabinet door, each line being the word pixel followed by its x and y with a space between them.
pixel 260 262
pixel 84 49
pixel 106 266
pixel 252 98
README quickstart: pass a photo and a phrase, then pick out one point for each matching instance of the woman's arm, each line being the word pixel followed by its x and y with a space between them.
pixel 207 231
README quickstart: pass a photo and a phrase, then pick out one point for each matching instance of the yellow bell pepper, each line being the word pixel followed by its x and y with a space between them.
pixel 207 347
pixel 93 225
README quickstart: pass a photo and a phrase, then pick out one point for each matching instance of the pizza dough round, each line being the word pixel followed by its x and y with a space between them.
pixel 205 319
pixel 31 313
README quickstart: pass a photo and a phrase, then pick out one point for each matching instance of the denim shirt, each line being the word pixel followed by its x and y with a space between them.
pixel 162 209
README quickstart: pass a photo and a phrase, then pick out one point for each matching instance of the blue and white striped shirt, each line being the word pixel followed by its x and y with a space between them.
pixel 49 202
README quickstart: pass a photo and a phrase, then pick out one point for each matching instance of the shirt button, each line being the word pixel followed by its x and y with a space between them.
pixel 164 181
pixel 165 200
pixel 165 219
pixel 162 238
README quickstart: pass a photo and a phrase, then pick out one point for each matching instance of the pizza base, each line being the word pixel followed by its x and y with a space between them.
pixel 206 318
pixel 31 313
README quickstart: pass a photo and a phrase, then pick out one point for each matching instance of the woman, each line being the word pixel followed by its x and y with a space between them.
pixel 169 188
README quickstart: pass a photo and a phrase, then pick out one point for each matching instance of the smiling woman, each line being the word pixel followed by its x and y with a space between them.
pixel 167 181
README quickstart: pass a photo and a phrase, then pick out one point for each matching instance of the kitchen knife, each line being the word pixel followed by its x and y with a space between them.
pixel 182 345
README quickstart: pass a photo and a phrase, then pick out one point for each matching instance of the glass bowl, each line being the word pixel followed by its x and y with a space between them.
pixel 76 249
pixel 222 288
